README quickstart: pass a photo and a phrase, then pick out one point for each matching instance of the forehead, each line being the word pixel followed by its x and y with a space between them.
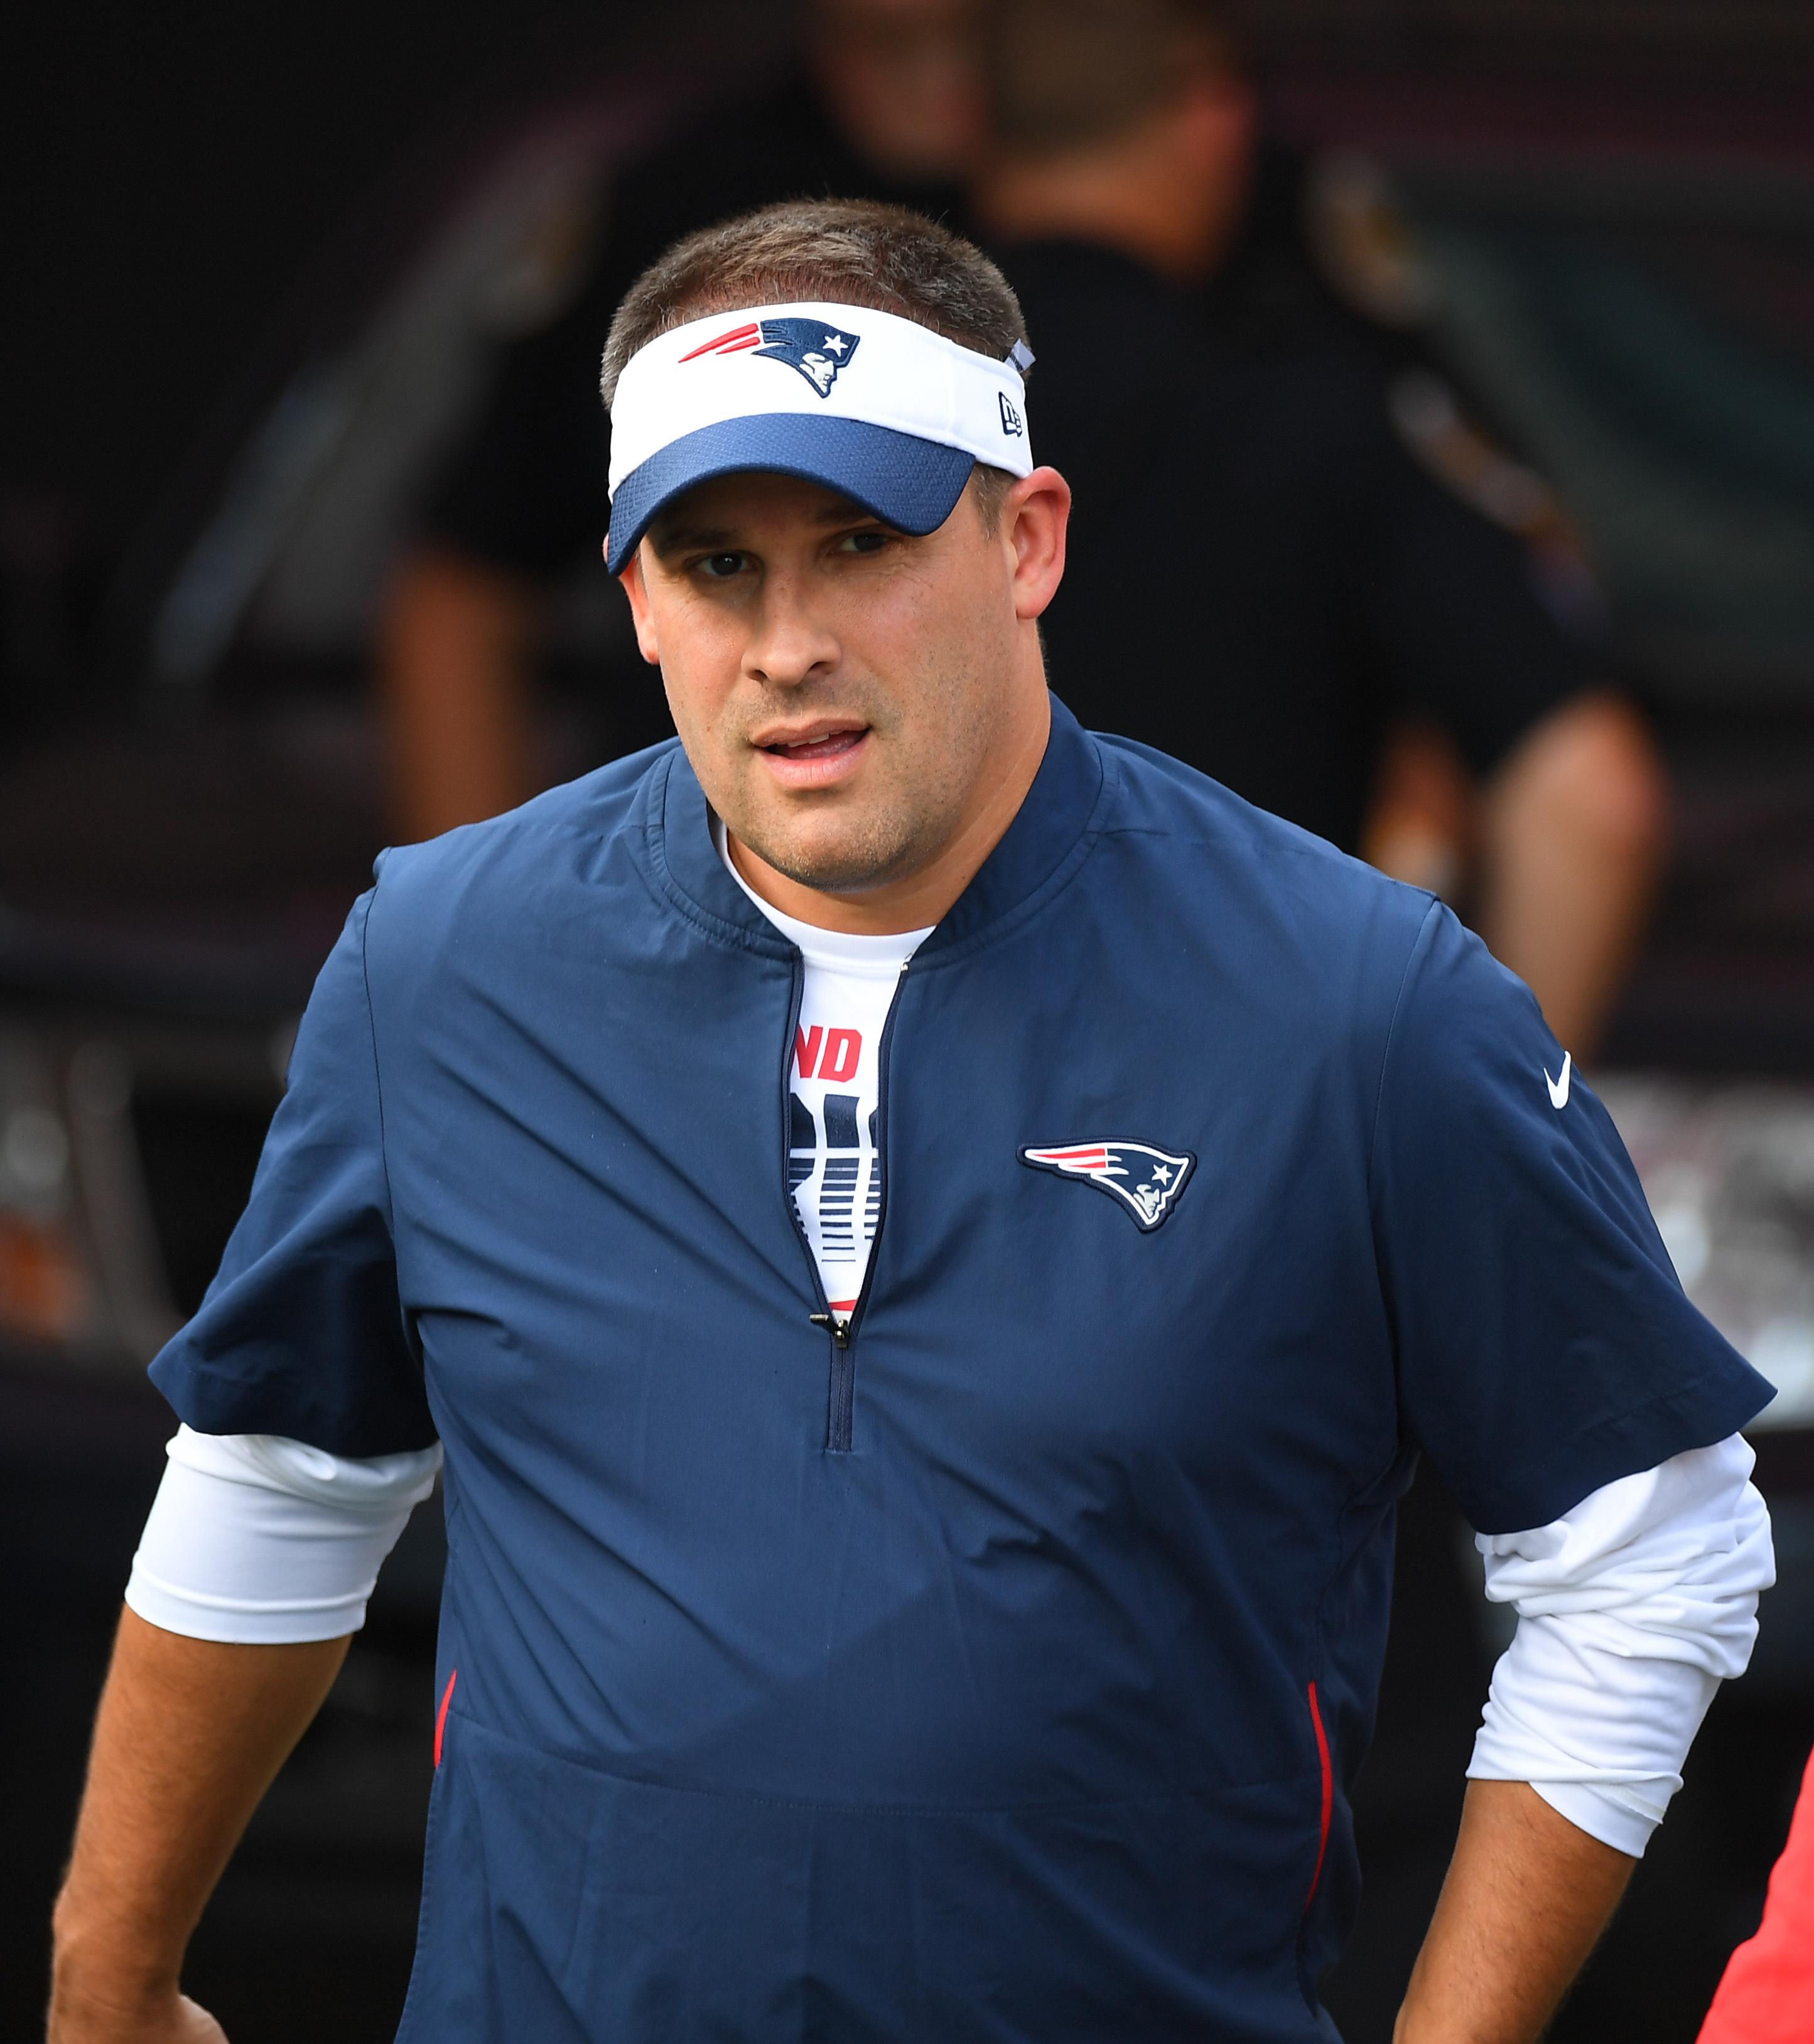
pixel 731 506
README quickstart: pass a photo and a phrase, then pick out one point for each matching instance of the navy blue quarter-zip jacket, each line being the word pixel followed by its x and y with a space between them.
pixel 997 1671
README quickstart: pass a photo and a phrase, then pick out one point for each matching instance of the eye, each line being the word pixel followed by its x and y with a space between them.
pixel 721 567
pixel 870 542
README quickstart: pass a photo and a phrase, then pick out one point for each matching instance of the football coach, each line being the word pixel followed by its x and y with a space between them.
pixel 930 1241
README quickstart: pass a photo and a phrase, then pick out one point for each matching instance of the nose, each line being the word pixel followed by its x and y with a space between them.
pixel 792 641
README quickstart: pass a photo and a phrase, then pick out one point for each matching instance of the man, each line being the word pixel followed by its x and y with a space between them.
pixel 1344 572
pixel 888 105
pixel 928 1240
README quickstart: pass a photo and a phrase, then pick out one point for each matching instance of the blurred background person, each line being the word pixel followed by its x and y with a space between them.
pixel 886 104
pixel 1308 579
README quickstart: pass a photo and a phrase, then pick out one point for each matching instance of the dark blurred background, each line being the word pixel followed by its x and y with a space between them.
pixel 261 266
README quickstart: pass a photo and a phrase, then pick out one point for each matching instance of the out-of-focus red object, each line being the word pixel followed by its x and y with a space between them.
pixel 1767 1995
pixel 42 1291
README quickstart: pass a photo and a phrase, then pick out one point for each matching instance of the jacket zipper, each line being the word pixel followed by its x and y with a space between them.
pixel 841 1400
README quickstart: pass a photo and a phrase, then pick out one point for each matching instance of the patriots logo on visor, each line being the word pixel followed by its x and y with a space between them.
pixel 817 352
pixel 1146 1181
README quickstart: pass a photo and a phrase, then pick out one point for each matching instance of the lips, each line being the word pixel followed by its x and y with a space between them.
pixel 813 756
pixel 829 745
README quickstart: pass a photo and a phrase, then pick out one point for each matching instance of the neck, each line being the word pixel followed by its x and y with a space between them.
pixel 919 900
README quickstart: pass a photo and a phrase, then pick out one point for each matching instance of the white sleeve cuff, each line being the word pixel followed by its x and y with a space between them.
pixel 1617 1818
pixel 1632 1607
pixel 1601 1737
pixel 256 1540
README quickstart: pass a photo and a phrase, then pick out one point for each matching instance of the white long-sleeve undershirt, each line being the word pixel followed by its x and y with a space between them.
pixel 1632 1608
pixel 254 1538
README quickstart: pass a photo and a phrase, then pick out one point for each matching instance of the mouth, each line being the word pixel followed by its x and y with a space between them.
pixel 814 755
pixel 814 741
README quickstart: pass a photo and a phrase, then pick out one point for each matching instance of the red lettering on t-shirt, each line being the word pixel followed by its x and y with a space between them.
pixel 843 1050
pixel 806 1048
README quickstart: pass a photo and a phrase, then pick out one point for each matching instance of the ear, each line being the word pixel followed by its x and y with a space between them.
pixel 1036 518
pixel 636 589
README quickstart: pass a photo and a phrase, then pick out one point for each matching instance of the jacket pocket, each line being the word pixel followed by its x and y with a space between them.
pixel 441 1717
pixel 1328 1774
pixel 429 1914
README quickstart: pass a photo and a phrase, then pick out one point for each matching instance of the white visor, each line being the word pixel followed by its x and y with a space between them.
pixel 879 408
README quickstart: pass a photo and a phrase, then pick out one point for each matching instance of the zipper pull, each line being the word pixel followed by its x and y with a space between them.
pixel 839 1330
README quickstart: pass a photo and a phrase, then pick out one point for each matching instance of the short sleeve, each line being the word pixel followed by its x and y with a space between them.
pixel 303 1333
pixel 1544 1346
pixel 1454 615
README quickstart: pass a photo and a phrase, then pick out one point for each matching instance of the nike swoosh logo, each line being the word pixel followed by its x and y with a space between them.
pixel 1558 1088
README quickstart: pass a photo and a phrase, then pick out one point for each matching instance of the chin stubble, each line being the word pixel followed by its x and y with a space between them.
pixel 870 856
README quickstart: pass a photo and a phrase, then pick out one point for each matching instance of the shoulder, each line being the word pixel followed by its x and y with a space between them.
pixel 1161 796
pixel 524 864
pixel 1288 902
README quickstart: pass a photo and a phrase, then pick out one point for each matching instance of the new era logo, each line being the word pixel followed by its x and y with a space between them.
pixel 1011 421
pixel 1145 1180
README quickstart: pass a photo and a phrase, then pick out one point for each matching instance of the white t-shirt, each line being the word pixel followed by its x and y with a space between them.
pixel 834 1099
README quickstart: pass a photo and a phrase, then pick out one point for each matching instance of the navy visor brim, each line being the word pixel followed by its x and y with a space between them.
pixel 910 483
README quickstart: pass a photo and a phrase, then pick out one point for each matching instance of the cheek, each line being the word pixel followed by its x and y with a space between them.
pixel 965 642
pixel 699 664
pixel 941 627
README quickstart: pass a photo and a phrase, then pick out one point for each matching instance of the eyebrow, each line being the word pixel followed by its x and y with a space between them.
pixel 676 538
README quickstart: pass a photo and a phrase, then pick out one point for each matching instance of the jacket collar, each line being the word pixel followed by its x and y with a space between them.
pixel 1051 836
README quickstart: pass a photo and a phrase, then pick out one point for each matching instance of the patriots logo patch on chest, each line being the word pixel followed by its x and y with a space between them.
pixel 817 351
pixel 1146 1181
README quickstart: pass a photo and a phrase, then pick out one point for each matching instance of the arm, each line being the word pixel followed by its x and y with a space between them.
pixel 1573 826
pixel 452 657
pixel 1632 1607
pixel 255 1564
pixel 1545 1352
pixel 1474 564
pixel 1527 1897
pixel 302 1330
pixel 190 1734
pixel 1568 836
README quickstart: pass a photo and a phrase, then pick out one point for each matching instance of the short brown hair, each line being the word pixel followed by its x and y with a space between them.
pixel 843 251
pixel 1064 74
